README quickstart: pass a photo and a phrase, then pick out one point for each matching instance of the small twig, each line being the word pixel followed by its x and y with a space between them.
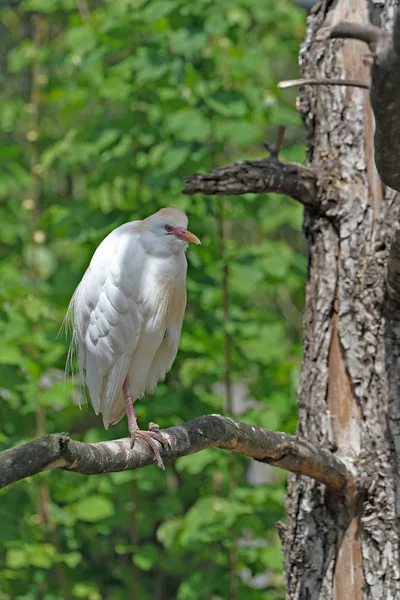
pixel 347 82
pixel 274 149
pixel 212 431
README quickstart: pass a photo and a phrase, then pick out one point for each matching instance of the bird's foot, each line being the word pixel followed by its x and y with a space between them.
pixel 149 437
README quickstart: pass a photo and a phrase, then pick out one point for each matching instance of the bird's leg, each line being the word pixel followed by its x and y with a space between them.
pixel 147 436
pixel 130 413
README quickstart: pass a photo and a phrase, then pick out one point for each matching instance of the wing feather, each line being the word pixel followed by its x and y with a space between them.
pixel 112 388
pixel 93 381
pixel 163 359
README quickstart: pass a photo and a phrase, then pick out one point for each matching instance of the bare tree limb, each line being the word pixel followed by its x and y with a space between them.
pixel 385 90
pixel 257 176
pixel 278 449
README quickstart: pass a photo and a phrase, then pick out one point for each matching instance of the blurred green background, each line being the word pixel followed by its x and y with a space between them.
pixel 105 105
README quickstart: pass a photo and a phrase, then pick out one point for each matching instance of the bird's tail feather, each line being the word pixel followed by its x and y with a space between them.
pixel 73 365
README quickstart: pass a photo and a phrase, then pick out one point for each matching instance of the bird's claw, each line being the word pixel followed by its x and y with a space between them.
pixel 149 437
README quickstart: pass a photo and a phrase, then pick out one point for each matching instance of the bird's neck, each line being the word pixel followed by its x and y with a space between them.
pixel 167 269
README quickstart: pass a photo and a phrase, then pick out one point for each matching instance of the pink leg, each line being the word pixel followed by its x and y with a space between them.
pixel 147 436
pixel 130 413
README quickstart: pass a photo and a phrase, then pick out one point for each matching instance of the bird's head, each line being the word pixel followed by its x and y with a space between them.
pixel 165 233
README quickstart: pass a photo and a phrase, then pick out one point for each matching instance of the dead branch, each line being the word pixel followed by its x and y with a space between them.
pixel 257 176
pixel 212 431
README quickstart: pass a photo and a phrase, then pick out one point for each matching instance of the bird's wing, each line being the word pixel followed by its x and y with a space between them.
pixel 107 317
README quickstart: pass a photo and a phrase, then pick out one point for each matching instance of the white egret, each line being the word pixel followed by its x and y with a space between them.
pixel 128 311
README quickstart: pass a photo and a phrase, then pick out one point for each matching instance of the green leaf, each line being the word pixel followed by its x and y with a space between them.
pixel 189 125
pixel 86 591
pixel 174 158
pixel 210 519
pixel 10 355
pixel 228 105
pixel 16 558
pixel 42 556
pixel 168 532
pixel 194 464
pixel 44 6
pixel 145 557
pixel 93 508
pixel 71 559
pixel 158 9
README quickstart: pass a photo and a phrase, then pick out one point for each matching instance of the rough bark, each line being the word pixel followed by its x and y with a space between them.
pixel 385 89
pixel 393 271
pixel 278 449
pixel 349 389
pixel 385 99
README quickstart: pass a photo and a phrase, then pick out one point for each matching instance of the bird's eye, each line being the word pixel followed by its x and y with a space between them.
pixel 168 228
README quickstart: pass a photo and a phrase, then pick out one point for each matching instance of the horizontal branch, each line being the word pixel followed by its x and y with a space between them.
pixel 257 176
pixel 278 449
pixel 385 90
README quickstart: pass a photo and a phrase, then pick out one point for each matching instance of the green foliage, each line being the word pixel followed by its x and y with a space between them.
pixel 105 106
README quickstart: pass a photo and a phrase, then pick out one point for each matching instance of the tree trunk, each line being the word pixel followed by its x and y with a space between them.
pixel 349 390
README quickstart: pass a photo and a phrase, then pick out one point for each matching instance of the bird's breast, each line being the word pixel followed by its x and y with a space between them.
pixel 163 291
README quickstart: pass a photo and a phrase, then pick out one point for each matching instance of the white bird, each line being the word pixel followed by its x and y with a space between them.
pixel 128 311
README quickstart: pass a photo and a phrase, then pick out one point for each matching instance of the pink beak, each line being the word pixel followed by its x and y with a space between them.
pixel 183 234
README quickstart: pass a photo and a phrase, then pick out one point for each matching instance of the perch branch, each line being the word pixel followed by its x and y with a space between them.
pixel 278 449
pixel 385 90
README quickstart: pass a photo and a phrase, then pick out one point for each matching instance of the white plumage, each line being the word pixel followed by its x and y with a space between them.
pixel 128 311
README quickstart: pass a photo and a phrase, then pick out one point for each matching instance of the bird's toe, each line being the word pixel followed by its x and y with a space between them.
pixel 154 427
pixel 151 438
